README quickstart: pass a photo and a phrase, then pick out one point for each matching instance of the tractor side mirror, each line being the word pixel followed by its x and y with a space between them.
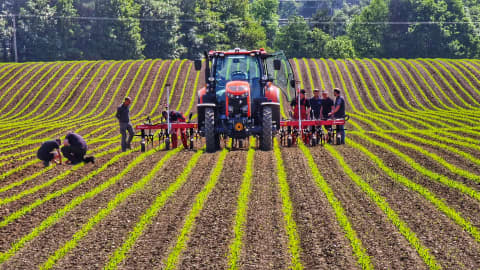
pixel 277 64
pixel 198 65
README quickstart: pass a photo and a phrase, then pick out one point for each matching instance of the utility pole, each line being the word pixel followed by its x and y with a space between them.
pixel 15 37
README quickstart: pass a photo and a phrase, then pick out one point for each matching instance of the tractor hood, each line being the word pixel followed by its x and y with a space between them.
pixel 238 88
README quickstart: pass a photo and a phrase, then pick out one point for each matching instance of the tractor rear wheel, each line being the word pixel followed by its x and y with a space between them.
pixel 266 137
pixel 210 138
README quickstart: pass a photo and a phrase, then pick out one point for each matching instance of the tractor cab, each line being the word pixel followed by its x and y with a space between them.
pixel 240 97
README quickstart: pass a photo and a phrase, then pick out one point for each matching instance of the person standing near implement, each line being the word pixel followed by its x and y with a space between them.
pixel 339 112
pixel 326 108
pixel 123 116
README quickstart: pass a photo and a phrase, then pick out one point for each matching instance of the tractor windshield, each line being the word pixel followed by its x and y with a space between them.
pixel 282 77
pixel 241 67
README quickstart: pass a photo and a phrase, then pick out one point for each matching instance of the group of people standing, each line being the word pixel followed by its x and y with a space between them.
pixel 74 150
pixel 323 108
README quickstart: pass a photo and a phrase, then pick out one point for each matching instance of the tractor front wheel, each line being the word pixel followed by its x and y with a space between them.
pixel 266 137
pixel 210 138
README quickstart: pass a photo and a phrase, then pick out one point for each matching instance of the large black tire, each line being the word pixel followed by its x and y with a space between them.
pixel 210 138
pixel 266 137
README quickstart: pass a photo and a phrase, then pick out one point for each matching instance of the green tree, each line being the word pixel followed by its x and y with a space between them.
pixel 293 37
pixel 339 48
pixel 160 29
pixel 118 37
pixel 266 12
pixel 37 32
pixel 209 28
pixel 287 9
pixel 68 31
pixel 367 30
pixel 316 41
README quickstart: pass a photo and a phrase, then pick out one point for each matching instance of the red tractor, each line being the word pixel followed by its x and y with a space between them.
pixel 239 98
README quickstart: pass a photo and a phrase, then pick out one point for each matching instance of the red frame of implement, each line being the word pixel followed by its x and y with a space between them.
pixel 305 123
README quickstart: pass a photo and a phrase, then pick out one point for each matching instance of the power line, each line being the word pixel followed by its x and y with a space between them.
pixel 17 16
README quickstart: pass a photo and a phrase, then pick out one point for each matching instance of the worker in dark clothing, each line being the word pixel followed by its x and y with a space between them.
pixel 45 152
pixel 176 117
pixel 315 104
pixel 339 112
pixel 123 116
pixel 326 108
pixel 74 149
pixel 304 106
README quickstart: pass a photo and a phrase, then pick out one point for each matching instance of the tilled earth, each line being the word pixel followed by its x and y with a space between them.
pixel 33 226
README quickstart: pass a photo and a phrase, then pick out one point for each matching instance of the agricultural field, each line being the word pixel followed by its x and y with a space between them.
pixel 402 193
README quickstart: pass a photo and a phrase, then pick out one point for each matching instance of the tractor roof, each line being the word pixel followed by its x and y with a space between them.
pixel 261 51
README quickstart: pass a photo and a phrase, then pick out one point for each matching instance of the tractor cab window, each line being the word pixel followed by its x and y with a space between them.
pixel 241 67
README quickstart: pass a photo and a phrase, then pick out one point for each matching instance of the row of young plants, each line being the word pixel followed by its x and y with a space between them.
pixel 382 203
pixel 104 212
pixel 235 247
pixel 90 134
pixel 26 82
pixel 109 162
pixel 30 164
pixel 179 245
pixel 287 210
pixel 104 134
pixel 55 217
pixel 423 191
pixel 145 220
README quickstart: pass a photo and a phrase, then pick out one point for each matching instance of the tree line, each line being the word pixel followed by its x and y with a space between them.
pixel 49 30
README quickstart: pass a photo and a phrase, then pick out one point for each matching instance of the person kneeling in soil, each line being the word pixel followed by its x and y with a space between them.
pixel 45 152
pixel 75 148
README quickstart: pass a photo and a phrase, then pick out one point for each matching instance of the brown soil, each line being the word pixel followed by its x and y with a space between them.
pixel 454 198
pixel 421 216
pixel 55 236
pixel 114 229
pixel 265 240
pixel 322 240
pixel 213 232
pixel 429 163
pixel 153 245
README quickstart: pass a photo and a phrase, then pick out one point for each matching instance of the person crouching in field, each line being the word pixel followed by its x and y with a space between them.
pixel 123 116
pixel 45 152
pixel 74 149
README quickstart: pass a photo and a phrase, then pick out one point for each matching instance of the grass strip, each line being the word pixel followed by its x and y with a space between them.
pixel 380 201
pixel 358 250
pixel 121 253
pixel 427 194
pixel 287 209
pixel 235 247
pixel 172 259
pixel 104 212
